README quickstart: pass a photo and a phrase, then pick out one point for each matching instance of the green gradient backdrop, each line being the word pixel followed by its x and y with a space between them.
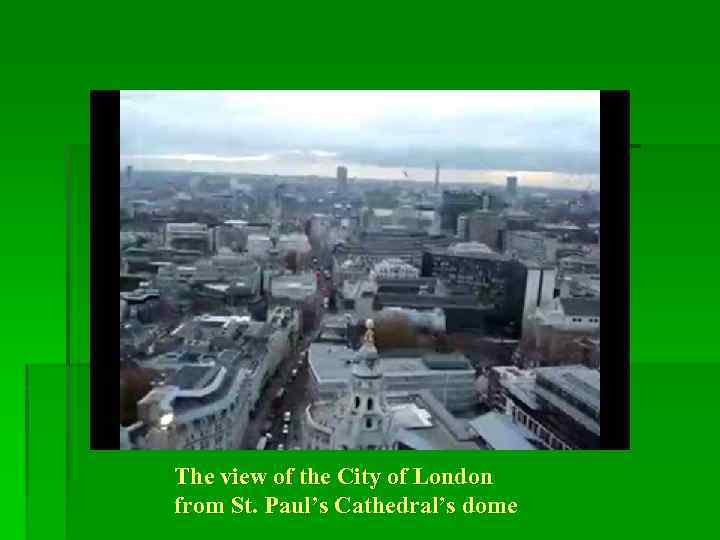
pixel 675 113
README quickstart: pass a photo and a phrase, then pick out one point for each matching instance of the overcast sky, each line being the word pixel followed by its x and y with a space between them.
pixel 465 130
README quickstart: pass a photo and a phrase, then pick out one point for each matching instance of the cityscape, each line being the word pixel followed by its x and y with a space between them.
pixel 411 294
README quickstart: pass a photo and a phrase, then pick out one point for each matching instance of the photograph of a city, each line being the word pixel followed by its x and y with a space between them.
pixel 360 270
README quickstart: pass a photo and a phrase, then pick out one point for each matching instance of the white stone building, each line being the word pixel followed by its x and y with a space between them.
pixel 394 269
pixel 368 417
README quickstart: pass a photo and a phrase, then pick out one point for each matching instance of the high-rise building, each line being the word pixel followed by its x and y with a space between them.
pixel 128 174
pixel 342 177
pixel 437 176
pixel 484 226
pixel 455 203
pixel 511 187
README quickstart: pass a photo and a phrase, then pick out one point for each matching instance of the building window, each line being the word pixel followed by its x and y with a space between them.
pixel 370 404
pixel 368 423
pixel 357 402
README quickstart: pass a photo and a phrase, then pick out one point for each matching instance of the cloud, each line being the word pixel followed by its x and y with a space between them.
pixel 507 129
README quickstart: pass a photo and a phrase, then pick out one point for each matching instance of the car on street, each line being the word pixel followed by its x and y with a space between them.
pixel 268 436
pixel 286 429
pixel 293 373
pixel 281 446
pixel 287 416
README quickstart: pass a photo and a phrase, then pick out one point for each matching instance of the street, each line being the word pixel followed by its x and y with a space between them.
pixel 295 399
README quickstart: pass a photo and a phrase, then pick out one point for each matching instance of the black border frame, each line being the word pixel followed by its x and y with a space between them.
pixel 104 264
pixel 615 272
pixel 615 269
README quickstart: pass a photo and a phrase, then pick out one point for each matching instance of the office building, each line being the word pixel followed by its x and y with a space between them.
pixel 511 184
pixel 394 269
pixel 342 177
pixel 485 227
pixel 559 405
pixel 188 236
pixel 448 376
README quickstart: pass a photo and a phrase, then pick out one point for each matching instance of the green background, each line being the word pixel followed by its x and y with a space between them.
pixel 54 487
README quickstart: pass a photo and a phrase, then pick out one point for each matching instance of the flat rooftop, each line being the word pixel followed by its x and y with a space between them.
pixel 331 362
pixel 580 382
pixel 581 307
pixel 193 377
pixel 501 433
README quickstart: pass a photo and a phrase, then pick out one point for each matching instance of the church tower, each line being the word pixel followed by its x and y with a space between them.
pixel 364 417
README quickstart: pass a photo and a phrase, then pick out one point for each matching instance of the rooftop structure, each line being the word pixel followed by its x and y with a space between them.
pixel 368 415
pixel 200 405
pixel 560 405
pixel 449 377
pixel 293 287
pixel 395 269
pixel 259 245
pixel 296 242
pixel 499 432
pixel 188 236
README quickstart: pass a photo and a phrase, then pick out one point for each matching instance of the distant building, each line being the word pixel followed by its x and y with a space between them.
pixel 229 267
pixel 342 177
pixel 230 236
pixel 136 338
pixel 532 245
pixel 462 227
pixel 357 296
pixel 349 269
pixel 297 243
pixel 374 246
pixel 293 288
pixel 518 220
pixel 455 203
pixel 579 285
pixel 485 226
pixel 143 304
pixel 319 228
pixel 149 260
pixel 575 264
pixel 259 246
pixel 190 236
pixel 557 332
pixel 572 313
pixel 511 184
pixel 394 269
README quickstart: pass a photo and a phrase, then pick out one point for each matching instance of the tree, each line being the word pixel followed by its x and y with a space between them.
pixel 135 383
pixel 442 343
pixel 291 261
pixel 394 331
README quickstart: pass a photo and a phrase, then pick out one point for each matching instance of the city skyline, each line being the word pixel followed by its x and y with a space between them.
pixel 550 139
